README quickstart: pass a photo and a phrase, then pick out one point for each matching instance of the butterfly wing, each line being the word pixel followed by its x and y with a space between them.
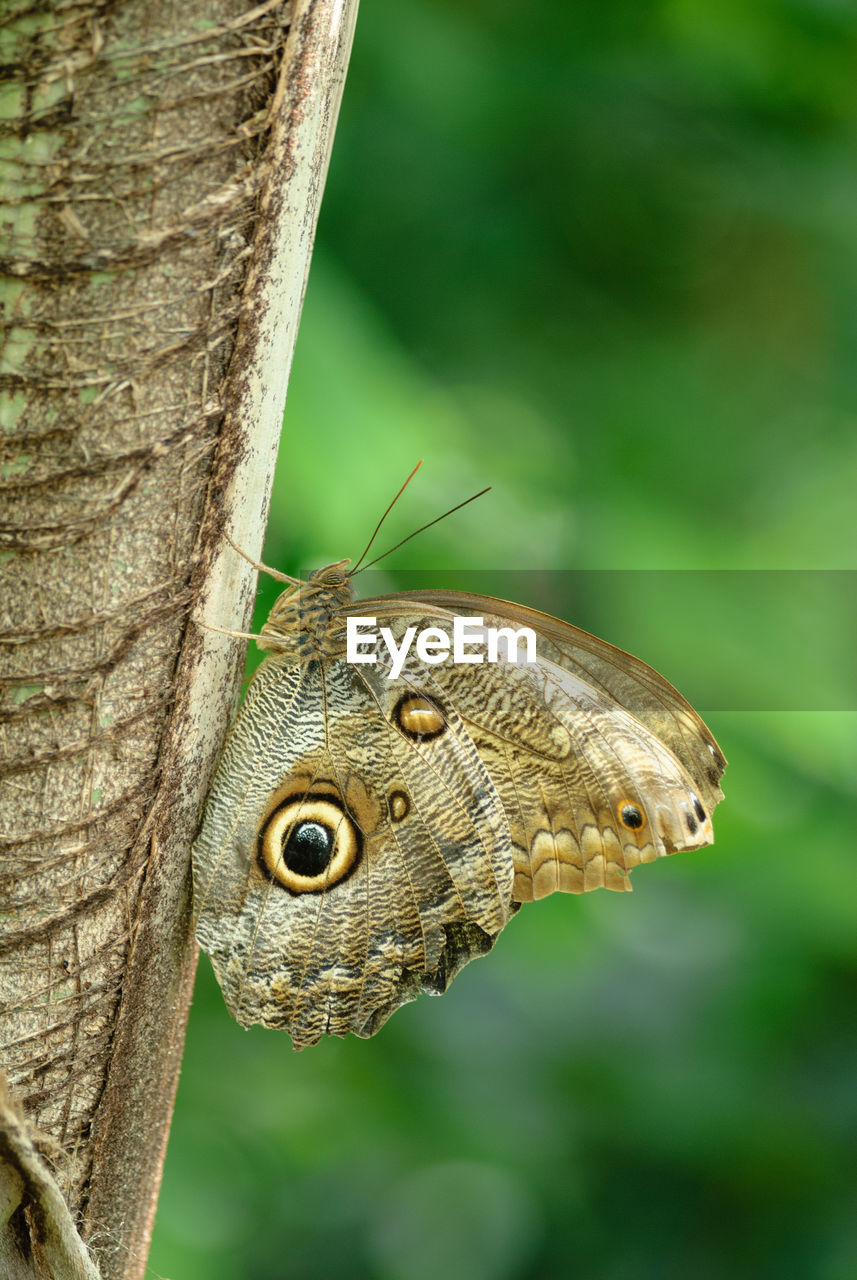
pixel 350 854
pixel 599 762
pixel 367 835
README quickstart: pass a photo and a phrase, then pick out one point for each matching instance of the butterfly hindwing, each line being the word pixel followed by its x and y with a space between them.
pixel 321 745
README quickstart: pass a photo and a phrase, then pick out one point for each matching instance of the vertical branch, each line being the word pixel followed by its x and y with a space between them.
pixel 157 244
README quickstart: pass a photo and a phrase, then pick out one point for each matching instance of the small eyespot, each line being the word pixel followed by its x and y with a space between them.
pixel 631 816
pixel 718 763
pixel 691 823
pixel 697 808
pixel 418 718
pixel 399 805
pixel 309 844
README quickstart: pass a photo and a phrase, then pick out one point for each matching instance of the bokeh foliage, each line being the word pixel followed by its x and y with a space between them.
pixel 603 257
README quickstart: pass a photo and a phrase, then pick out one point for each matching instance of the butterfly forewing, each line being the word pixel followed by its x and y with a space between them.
pixel 627 680
pixel 588 790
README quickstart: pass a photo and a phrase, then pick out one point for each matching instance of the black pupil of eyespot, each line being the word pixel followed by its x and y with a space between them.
pixel 308 849
pixel 631 816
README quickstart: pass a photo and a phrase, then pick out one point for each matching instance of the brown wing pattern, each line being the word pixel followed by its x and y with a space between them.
pixel 366 837
pixel 317 749
pixel 589 787
pixel 625 679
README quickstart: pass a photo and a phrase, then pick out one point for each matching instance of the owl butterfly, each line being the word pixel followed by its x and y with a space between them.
pixel 369 833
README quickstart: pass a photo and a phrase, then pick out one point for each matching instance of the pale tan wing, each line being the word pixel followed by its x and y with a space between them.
pixel 625 679
pixel 589 790
pixel 315 749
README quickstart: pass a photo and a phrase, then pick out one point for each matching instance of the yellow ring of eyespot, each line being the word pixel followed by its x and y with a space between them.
pixel 630 804
pixel 342 832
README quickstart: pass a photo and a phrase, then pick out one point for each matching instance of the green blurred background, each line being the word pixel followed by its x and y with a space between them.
pixel 602 257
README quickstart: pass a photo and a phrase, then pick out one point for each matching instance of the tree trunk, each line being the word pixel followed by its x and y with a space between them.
pixel 162 166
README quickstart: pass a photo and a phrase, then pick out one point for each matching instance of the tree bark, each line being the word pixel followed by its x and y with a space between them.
pixel 162 170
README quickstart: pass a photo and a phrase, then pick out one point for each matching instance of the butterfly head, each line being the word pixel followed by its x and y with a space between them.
pixel 301 617
pixel 332 577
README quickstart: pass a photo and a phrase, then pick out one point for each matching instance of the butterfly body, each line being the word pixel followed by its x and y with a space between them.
pixel 367 835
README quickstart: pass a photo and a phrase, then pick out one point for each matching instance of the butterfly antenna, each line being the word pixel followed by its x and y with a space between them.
pixel 421 530
pixel 384 517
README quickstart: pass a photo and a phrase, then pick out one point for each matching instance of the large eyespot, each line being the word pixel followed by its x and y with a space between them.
pixel 309 843
pixel 418 718
pixel 631 815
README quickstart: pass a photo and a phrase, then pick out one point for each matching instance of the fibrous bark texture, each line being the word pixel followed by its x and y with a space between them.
pixel 132 145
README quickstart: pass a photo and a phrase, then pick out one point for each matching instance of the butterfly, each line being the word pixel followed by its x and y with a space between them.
pixel 376 818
